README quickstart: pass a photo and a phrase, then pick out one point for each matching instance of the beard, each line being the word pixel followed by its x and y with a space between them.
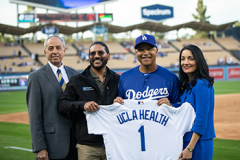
pixel 104 63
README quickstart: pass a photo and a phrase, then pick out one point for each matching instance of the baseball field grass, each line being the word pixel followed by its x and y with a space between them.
pixel 12 101
pixel 225 87
pixel 15 135
pixel 18 135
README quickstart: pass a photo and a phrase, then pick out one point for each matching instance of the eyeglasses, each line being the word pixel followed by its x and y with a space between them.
pixel 93 53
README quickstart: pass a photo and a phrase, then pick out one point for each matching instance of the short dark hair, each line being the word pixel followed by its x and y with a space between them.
pixel 202 71
pixel 102 44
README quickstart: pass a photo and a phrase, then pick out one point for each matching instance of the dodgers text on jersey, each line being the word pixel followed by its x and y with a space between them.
pixel 156 93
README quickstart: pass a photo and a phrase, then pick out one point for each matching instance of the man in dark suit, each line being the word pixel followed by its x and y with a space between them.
pixel 50 131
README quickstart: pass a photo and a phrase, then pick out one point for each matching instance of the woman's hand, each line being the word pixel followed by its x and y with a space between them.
pixel 185 154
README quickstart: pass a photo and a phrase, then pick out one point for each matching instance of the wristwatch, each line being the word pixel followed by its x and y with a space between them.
pixel 190 150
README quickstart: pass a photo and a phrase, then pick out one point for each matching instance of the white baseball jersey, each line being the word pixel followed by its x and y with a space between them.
pixel 141 130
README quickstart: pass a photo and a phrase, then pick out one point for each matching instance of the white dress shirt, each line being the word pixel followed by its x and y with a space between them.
pixel 63 71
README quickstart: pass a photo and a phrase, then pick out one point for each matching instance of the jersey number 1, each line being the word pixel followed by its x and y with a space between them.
pixel 141 131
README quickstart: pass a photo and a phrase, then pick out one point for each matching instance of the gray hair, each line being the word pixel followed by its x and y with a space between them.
pixel 45 42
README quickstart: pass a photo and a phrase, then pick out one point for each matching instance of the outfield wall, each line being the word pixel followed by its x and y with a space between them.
pixel 19 81
pixel 225 73
pixel 218 72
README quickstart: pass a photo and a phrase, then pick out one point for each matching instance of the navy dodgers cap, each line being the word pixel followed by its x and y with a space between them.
pixel 147 39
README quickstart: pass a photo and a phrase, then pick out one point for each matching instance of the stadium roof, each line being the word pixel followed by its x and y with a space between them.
pixel 156 27
pixel 203 26
pixel 12 30
pixel 196 26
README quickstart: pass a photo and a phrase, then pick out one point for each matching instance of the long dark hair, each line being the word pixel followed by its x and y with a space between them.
pixel 202 71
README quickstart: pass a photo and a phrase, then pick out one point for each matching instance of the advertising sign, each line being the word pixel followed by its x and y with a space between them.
pixel 65 17
pixel 49 30
pixel 105 17
pixel 233 73
pixel 157 12
pixel 54 18
pixel 217 73
pixel 15 82
pixel 99 29
pixel 26 17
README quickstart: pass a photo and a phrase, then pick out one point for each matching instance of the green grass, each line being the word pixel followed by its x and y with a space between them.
pixel 18 135
pixel 226 87
pixel 12 101
pixel 226 149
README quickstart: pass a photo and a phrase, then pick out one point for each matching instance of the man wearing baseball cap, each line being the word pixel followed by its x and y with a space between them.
pixel 148 80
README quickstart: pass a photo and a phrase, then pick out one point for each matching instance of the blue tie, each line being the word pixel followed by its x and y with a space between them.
pixel 61 80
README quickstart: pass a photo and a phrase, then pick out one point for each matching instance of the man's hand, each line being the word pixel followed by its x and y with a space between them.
pixel 42 155
pixel 91 106
pixel 163 100
pixel 119 100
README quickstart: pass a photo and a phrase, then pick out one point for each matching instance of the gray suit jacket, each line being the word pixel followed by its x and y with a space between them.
pixel 49 129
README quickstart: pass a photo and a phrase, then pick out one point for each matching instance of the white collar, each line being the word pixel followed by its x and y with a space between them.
pixel 55 68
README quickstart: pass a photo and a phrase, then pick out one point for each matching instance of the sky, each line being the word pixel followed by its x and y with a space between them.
pixel 128 12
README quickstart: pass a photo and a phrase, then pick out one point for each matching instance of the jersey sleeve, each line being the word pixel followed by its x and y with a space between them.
pixel 98 121
pixel 184 118
pixel 175 94
pixel 120 88
pixel 203 97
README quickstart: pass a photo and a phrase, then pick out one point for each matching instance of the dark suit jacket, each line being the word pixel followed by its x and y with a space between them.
pixel 49 129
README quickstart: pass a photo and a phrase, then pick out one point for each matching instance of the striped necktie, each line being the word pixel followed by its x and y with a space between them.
pixel 61 80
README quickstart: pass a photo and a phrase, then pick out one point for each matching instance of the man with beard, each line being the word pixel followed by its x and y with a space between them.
pixel 96 85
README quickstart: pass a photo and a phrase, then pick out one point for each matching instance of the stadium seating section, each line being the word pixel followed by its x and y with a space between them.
pixel 38 48
pixel 229 43
pixel 7 51
pixel 23 64
pixel 203 44
pixel 121 57
pixel 114 47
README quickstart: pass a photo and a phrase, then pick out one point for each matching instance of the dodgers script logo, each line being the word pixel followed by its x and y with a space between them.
pixel 156 93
